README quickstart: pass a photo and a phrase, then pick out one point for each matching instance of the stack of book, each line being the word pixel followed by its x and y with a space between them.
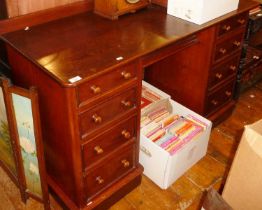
pixel 168 129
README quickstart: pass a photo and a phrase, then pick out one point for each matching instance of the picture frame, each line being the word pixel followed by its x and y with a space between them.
pixel 8 147
pixel 25 129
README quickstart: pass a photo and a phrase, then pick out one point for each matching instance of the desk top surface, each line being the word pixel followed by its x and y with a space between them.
pixel 85 44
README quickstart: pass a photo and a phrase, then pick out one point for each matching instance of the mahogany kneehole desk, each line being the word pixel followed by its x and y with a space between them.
pixel 88 72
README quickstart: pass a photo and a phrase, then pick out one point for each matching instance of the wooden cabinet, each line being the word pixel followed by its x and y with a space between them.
pixel 212 61
pixel 223 68
pixel 91 144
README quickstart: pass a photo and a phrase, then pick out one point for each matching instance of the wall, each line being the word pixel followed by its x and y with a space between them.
pixel 22 7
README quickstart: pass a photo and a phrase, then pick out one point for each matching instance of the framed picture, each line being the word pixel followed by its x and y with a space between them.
pixel 26 133
pixel 8 147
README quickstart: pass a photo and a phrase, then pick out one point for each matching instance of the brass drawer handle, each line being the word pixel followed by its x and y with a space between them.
pixel 228 93
pixel 126 103
pixel 96 118
pixel 98 150
pixel 214 102
pixel 99 180
pixel 255 57
pixel 232 67
pixel 126 75
pixel 222 51
pixel 236 43
pixel 226 27
pixel 219 76
pixel 95 89
pixel 241 21
pixel 125 163
pixel 126 134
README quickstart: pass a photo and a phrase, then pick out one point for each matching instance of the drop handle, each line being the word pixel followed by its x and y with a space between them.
pixel 95 89
pixel 226 27
pixel 126 75
pixel 214 102
pixel 126 134
pixel 96 118
pixel 222 51
pixel 236 43
pixel 126 104
pixel 228 93
pixel 241 21
pixel 219 76
pixel 100 180
pixel 232 67
pixel 98 150
pixel 125 163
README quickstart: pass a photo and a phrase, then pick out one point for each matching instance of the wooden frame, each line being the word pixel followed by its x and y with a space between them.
pixel 13 171
pixel 27 149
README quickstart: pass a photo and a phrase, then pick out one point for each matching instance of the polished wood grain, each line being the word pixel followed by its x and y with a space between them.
pixel 97 87
pixel 102 176
pixel 222 72
pixel 127 38
pixel 228 47
pixel 96 118
pixel 104 143
pixel 177 81
pixel 236 22
pixel 221 96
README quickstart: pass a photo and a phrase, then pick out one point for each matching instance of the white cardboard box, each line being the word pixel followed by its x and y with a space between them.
pixel 162 168
pixel 200 11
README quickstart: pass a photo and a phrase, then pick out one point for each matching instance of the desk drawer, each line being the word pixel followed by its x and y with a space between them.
pixel 109 141
pixel 222 72
pixel 220 97
pixel 106 111
pixel 109 171
pixel 230 24
pixel 102 84
pixel 228 46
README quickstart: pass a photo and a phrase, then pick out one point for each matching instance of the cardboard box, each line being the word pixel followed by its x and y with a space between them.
pixel 163 168
pixel 243 188
pixel 200 11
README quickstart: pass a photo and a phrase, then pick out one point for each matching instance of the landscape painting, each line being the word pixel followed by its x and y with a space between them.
pixel 25 127
pixel 6 151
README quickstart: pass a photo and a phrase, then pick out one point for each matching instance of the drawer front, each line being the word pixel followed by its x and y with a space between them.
pixel 110 171
pixel 222 72
pixel 220 97
pixel 109 141
pixel 228 46
pixel 106 111
pixel 99 86
pixel 232 23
